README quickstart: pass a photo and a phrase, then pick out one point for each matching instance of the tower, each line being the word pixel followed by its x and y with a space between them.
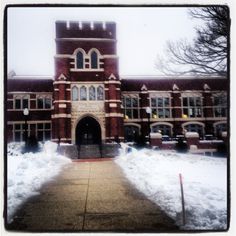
pixel 87 96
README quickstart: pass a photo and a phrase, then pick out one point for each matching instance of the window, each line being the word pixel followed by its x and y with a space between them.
pixel 131 107
pixel 79 60
pixel 100 93
pixel 19 131
pixel 75 95
pixel 43 131
pixel 94 60
pixel 21 102
pixel 220 105
pixel 160 107
pixel 131 133
pixel 194 128
pixel 192 106
pixel 220 128
pixel 44 102
pixel 83 93
pixel 92 95
pixel 163 129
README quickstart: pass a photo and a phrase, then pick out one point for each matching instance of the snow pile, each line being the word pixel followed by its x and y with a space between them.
pixel 156 174
pixel 27 172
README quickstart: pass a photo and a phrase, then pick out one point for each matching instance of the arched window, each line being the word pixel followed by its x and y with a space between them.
pixel 219 128
pixel 79 60
pixel 131 133
pixel 194 128
pixel 94 60
pixel 100 93
pixel 163 129
pixel 75 95
pixel 83 93
pixel 92 95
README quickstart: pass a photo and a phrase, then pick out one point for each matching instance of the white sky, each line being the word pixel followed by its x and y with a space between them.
pixel 141 33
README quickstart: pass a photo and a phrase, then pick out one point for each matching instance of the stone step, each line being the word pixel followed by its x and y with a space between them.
pixel 89 151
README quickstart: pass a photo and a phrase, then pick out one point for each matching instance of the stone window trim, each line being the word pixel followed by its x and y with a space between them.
pixel 195 123
pixel 98 92
pixel 87 60
pixel 168 128
pixel 45 99
pixel 218 126
pixel 131 110
pixel 40 126
pixel 21 101
pixel 161 106
pixel 194 106
pixel 219 104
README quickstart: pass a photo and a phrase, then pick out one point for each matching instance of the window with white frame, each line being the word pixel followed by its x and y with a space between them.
pixel 160 107
pixel 75 93
pixel 192 106
pixel 44 102
pixel 220 105
pixel 43 131
pixel 100 93
pixel 92 93
pixel 21 102
pixel 162 128
pixel 18 132
pixel 83 93
pixel 131 107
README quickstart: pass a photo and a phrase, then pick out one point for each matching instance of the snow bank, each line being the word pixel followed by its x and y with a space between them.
pixel 156 174
pixel 27 172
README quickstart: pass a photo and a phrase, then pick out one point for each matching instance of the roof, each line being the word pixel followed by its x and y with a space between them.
pixel 29 85
pixel 167 83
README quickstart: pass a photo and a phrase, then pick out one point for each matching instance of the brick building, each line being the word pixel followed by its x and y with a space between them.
pixel 87 102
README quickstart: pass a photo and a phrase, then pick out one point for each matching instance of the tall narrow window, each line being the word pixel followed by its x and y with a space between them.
pixel 92 95
pixel 100 93
pixel 75 96
pixel 83 93
pixel 94 60
pixel 80 60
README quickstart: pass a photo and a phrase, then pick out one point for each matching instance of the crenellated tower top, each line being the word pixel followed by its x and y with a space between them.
pixel 85 29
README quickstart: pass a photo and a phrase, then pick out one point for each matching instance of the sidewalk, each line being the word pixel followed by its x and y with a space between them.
pixel 91 196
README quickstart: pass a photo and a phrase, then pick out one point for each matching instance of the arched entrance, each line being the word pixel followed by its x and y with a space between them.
pixel 88 131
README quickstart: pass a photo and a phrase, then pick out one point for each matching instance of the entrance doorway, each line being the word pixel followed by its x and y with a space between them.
pixel 88 131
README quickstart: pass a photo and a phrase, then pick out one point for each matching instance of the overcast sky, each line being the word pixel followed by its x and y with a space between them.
pixel 142 34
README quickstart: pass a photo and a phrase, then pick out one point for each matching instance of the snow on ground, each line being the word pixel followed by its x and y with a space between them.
pixel 27 172
pixel 156 174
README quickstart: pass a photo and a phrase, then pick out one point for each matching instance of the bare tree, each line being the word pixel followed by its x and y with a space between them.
pixel 207 54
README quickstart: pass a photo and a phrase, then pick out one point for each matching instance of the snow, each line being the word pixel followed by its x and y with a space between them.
pixel 27 172
pixel 156 174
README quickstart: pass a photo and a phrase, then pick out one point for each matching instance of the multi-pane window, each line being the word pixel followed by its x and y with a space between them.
pixel 160 107
pixel 100 93
pixel 163 129
pixel 94 60
pixel 79 60
pixel 92 93
pixel 75 94
pixel 83 93
pixel 19 131
pixel 44 102
pixel 21 102
pixel 220 105
pixel 43 131
pixel 194 128
pixel 131 107
pixel 192 106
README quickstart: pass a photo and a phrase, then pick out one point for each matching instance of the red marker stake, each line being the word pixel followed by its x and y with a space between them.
pixel 182 197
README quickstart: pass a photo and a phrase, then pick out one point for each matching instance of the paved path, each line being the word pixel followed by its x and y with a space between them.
pixel 91 196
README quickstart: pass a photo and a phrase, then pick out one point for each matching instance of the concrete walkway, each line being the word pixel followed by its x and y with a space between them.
pixel 91 196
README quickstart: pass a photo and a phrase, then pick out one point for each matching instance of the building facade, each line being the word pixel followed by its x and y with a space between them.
pixel 87 102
